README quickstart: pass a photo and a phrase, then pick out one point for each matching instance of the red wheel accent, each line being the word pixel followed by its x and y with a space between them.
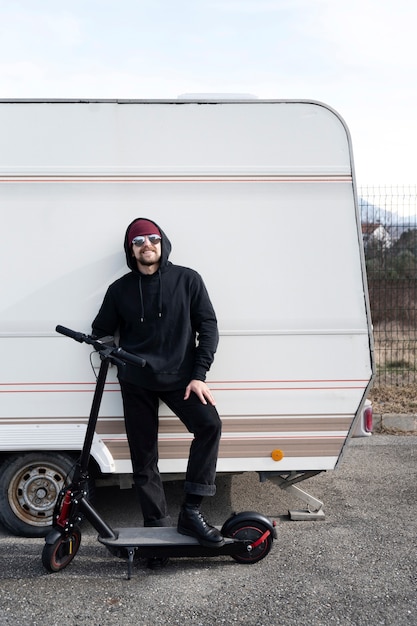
pixel 57 555
pixel 260 541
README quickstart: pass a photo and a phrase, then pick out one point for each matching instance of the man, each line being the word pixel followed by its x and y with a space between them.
pixel 163 313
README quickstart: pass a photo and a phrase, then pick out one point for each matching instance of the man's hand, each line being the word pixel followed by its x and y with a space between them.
pixel 201 390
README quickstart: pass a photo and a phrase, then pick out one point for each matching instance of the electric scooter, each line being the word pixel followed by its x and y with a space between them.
pixel 248 535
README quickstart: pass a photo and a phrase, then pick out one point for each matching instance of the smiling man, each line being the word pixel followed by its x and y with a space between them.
pixel 147 252
pixel 163 313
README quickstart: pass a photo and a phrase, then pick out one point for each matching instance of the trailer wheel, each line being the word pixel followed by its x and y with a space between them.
pixel 251 531
pixel 29 488
pixel 57 555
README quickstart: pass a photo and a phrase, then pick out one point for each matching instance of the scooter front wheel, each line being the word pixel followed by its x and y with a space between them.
pixel 57 555
pixel 259 540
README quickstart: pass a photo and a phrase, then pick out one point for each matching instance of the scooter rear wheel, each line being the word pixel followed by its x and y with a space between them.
pixel 251 531
pixel 57 555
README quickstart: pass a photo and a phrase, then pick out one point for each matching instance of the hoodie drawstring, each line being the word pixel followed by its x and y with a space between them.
pixel 142 304
pixel 160 293
pixel 142 308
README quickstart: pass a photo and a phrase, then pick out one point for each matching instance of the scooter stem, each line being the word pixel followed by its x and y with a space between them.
pixel 92 422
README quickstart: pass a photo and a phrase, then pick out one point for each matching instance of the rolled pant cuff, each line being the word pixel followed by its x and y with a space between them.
pixel 197 489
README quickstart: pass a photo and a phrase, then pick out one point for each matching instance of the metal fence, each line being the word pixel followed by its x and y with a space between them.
pixel 389 229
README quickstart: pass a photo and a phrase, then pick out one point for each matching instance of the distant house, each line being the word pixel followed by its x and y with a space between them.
pixel 376 234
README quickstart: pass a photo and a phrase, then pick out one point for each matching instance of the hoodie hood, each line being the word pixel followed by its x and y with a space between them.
pixel 165 247
pixel 165 317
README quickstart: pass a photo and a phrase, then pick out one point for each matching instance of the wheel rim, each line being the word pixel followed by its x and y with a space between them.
pixel 251 533
pixel 66 549
pixel 33 492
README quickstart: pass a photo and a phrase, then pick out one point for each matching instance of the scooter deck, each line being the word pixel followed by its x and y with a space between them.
pixel 156 536
pixel 164 542
pixel 167 541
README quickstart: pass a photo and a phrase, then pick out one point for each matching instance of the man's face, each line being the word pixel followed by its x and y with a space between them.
pixel 147 251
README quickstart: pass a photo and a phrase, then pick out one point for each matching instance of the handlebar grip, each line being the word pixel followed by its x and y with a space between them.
pixel 130 358
pixel 101 346
pixel 62 330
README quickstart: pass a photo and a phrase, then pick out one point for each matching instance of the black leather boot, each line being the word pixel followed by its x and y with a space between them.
pixel 192 523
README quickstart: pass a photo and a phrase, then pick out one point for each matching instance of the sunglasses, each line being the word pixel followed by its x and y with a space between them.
pixel 153 239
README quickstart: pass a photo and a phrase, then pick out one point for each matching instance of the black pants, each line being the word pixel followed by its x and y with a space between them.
pixel 141 420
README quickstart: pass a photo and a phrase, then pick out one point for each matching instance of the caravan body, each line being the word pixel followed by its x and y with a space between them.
pixel 259 197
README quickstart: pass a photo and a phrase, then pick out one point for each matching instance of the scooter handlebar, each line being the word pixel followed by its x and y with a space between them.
pixel 129 358
pixel 62 330
pixel 116 352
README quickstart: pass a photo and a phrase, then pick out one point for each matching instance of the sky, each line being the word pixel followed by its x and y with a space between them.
pixel 358 56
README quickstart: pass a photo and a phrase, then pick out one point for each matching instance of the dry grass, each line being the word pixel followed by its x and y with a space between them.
pixel 395 347
pixel 394 399
pixel 395 388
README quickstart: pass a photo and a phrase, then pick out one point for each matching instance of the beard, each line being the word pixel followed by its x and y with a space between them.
pixel 149 260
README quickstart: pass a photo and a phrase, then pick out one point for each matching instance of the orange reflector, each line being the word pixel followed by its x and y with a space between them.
pixel 277 455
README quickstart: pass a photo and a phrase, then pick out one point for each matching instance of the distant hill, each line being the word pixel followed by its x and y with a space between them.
pixel 393 222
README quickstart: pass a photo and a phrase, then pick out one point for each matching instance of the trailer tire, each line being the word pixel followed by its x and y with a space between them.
pixel 29 487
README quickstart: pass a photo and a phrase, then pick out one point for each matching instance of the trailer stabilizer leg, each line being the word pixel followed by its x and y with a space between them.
pixel 314 510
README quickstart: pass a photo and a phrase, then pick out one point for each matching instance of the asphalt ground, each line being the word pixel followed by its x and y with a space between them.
pixel 357 567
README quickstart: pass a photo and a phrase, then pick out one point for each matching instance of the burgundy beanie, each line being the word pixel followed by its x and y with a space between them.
pixel 142 227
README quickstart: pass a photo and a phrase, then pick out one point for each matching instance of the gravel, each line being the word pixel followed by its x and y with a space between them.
pixel 357 567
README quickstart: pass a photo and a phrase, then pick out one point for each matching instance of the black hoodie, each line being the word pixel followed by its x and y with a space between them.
pixel 166 318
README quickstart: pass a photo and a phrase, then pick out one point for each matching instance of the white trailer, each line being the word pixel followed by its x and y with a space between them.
pixel 257 196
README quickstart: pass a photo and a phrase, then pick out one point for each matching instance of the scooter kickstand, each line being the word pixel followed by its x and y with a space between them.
pixel 130 553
